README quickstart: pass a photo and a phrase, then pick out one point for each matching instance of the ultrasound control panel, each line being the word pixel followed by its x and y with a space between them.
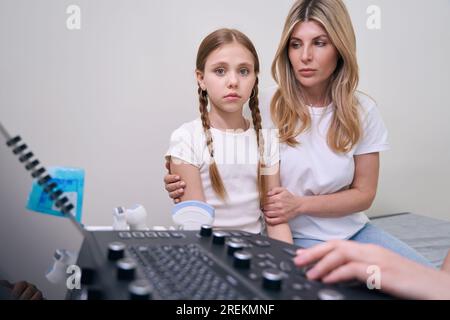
pixel 198 265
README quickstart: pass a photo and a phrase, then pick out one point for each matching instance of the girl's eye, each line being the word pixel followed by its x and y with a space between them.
pixel 244 72
pixel 220 71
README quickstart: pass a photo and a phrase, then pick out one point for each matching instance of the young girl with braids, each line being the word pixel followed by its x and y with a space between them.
pixel 227 162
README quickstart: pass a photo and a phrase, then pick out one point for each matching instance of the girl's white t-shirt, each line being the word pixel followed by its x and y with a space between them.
pixel 236 156
pixel 312 168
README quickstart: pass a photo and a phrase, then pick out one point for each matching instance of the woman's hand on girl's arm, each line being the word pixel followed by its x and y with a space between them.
pixel 280 231
pixel 281 206
pixel 190 178
pixel 284 206
pixel 174 185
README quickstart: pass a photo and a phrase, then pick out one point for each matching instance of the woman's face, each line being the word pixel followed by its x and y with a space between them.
pixel 312 55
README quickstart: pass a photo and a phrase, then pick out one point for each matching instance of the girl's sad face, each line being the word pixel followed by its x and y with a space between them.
pixel 229 77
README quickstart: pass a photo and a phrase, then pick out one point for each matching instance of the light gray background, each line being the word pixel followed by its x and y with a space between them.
pixel 107 97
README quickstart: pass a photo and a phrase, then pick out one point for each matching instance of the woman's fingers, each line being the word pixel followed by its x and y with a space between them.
pixel 37 296
pixel 271 200
pixel 273 221
pixel 269 207
pixel 28 293
pixel 271 214
pixel 171 178
pixel 175 186
pixel 350 271
pixel 176 194
pixel 328 263
pixel 19 288
pixel 275 191
pixel 311 255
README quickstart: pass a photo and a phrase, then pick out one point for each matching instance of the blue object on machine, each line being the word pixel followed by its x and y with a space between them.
pixel 191 215
pixel 70 181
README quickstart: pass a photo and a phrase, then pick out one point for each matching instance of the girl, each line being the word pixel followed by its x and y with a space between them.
pixel 330 134
pixel 203 152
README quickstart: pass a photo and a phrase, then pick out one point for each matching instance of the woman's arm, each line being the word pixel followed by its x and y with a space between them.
pixel 283 205
pixel 358 198
pixel 191 176
pixel 281 231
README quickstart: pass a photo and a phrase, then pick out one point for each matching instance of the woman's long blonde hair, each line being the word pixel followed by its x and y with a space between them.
pixel 288 107
pixel 212 42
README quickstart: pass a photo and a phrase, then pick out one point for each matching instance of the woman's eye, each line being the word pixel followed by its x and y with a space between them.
pixel 220 71
pixel 244 72
pixel 320 43
pixel 295 45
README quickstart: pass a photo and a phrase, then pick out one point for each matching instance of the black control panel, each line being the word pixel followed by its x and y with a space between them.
pixel 198 265
pixel 193 265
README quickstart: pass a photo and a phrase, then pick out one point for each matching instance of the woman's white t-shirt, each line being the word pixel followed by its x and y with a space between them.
pixel 236 156
pixel 312 168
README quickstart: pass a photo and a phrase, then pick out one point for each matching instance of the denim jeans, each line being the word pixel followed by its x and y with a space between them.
pixel 373 234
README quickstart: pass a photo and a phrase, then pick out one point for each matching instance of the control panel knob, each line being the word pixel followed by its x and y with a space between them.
pixel 140 290
pixel 206 230
pixel 272 279
pixel 126 268
pixel 242 259
pixel 329 294
pixel 116 251
pixel 219 237
pixel 233 246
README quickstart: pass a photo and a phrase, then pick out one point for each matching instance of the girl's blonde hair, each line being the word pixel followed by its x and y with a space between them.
pixel 212 42
pixel 288 107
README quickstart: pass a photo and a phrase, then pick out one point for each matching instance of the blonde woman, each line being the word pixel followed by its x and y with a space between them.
pixel 330 134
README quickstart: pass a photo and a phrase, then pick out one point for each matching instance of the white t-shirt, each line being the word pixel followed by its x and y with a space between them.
pixel 312 168
pixel 236 156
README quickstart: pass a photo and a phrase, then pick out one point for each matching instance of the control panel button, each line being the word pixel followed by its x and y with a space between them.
pixel 140 290
pixel 272 279
pixel 329 294
pixel 126 268
pixel 242 259
pixel 206 230
pixel 219 237
pixel 233 246
pixel 116 250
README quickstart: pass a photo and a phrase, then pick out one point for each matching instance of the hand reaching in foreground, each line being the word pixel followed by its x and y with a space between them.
pixel 337 261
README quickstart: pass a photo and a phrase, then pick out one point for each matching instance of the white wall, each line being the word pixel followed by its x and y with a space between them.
pixel 107 96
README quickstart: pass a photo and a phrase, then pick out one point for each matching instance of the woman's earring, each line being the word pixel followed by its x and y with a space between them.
pixel 204 93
